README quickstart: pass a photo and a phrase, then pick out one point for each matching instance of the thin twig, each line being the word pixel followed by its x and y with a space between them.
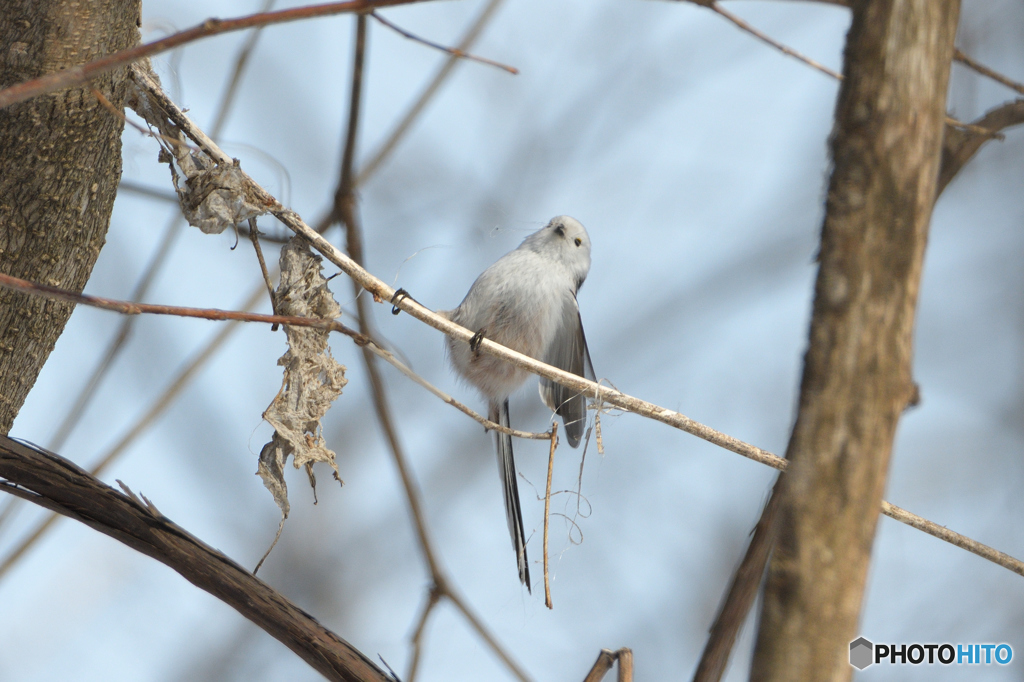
pixel 254 235
pixel 986 71
pixel 959 148
pixel 280 529
pixel 390 358
pixel 454 51
pixel 6 513
pixel 764 37
pixel 973 128
pixel 486 634
pixel 953 538
pixel 403 126
pixel 151 192
pixel 381 291
pixel 547 513
pixel 77 75
pixel 343 205
pixel 131 308
pixel 171 232
pixel 177 385
pixel 743 588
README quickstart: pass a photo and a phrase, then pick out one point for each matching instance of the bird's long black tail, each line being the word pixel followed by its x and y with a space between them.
pixel 507 469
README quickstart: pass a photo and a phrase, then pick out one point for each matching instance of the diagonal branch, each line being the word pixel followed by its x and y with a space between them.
pixel 972 63
pixel 403 126
pixel 453 51
pixel 765 38
pixel 60 486
pixel 241 61
pixel 134 308
pixel 952 123
pixel 81 74
pixel 600 393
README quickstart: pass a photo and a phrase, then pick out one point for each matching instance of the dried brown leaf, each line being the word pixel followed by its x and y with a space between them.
pixel 312 377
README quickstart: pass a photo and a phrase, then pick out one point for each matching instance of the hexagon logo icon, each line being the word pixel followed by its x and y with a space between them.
pixel 861 653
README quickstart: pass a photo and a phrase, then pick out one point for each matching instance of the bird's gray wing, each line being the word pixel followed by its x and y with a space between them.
pixel 569 351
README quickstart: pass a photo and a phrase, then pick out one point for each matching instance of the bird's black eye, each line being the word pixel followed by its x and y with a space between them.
pixel 578 241
pixel 560 230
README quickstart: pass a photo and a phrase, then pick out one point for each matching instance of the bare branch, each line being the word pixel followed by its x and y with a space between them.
pixel 433 599
pixel 78 75
pixel 130 308
pixel 151 192
pixel 241 61
pixel 986 71
pixel 388 146
pixel 124 119
pixel 381 292
pixel 254 236
pixel 453 51
pixel 60 486
pixel 390 358
pixel 547 512
pixel 743 588
pixel 764 37
pixel 485 633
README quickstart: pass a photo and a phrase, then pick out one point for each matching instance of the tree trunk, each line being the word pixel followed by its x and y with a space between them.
pixel 60 163
pixel 857 381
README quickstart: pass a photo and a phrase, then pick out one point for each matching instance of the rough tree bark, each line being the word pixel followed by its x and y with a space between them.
pixel 857 381
pixel 60 163
pixel 958 148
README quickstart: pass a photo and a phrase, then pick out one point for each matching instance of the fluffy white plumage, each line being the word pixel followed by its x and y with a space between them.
pixel 527 302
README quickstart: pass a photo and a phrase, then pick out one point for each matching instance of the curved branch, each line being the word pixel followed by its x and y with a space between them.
pixel 57 484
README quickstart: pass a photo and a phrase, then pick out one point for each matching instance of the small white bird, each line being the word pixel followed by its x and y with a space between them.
pixel 527 302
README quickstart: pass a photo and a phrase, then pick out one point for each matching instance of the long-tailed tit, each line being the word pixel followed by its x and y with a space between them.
pixel 527 302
